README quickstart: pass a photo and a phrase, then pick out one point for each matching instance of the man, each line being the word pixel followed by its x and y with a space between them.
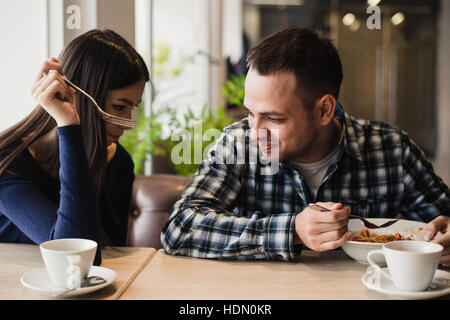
pixel 237 209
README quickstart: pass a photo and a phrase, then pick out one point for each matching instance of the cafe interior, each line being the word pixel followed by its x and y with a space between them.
pixel 395 57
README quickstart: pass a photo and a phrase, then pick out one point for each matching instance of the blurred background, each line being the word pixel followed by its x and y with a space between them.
pixel 397 72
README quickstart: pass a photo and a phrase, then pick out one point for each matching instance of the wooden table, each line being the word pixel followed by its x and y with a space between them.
pixel 328 275
pixel 16 259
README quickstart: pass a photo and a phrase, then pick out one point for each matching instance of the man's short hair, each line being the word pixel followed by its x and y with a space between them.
pixel 311 57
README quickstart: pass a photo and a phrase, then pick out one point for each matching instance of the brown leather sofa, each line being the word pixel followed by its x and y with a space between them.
pixel 152 200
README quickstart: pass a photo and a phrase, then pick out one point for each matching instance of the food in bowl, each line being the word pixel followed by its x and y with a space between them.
pixel 365 235
pixel 358 250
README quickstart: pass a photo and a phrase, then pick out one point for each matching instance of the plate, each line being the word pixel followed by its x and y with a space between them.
pixel 359 250
pixel 39 280
pixel 440 286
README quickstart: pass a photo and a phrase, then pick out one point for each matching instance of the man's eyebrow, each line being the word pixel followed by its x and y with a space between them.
pixel 273 113
pixel 130 103
pixel 268 113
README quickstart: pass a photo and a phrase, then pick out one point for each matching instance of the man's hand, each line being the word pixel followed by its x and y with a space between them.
pixel 440 224
pixel 323 230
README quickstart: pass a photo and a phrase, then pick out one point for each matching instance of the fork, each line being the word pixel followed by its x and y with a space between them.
pixel 366 223
pixel 119 121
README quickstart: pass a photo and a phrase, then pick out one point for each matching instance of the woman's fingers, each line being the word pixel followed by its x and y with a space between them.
pixel 64 112
pixel 50 64
pixel 47 66
pixel 51 95
pixel 54 95
pixel 42 84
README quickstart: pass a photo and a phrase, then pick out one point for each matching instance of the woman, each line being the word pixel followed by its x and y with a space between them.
pixel 63 173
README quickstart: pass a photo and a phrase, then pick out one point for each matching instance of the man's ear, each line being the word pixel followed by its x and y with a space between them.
pixel 325 107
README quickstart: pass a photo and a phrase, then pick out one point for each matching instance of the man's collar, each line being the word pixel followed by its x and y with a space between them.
pixel 352 133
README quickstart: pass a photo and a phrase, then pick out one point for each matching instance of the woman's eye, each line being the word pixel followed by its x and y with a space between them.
pixel 119 107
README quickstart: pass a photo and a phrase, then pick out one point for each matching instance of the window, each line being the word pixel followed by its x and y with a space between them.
pixel 389 73
pixel 24 47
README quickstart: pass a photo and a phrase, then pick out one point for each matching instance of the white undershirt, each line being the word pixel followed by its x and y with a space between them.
pixel 315 172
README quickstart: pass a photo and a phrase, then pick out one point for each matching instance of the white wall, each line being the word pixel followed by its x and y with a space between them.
pixel 23 49
pixel 33 30
pixel 442 161
pixel 117 15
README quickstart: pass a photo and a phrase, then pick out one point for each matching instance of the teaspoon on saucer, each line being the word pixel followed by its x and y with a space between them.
pixel 88 282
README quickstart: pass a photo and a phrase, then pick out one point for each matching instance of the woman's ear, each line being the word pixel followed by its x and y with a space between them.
pixel 326 106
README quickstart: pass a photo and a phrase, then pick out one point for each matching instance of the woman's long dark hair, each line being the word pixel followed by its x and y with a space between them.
pixel 97 61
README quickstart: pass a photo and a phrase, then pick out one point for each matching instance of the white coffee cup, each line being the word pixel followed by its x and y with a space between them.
pixel 411 264
pixel 68 261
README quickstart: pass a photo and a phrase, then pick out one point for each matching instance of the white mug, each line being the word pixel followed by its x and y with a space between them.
pixel 68 261
pixel 411 264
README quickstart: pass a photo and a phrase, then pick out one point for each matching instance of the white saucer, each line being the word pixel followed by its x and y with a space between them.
pixel 439 287
pixel 38 280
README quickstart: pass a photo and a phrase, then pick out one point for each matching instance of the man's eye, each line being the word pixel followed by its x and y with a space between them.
pixel 275 119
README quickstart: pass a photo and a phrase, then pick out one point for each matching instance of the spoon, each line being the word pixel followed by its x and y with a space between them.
pixel 366 223
pixel 87 282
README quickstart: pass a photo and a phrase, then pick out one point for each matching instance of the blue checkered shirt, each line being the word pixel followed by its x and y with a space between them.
pixel 238 211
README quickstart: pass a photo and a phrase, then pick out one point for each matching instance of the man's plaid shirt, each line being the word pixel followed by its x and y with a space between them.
pixel 234 210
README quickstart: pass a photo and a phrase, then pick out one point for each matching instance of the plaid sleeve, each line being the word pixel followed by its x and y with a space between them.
pixel 203 225
pixel 426 195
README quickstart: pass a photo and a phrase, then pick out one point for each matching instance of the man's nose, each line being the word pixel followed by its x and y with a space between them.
pixel 260 133
pixel 255 129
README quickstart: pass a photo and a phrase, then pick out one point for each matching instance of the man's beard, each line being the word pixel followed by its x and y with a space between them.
pixel 293 155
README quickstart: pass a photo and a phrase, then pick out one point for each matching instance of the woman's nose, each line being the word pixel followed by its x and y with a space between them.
pixel 129 115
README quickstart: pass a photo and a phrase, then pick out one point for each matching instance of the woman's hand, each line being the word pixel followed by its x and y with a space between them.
pixel 54 95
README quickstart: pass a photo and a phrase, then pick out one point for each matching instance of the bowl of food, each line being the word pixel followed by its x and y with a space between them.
pixel 365 240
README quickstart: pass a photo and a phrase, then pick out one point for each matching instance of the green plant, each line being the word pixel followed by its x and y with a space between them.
pixel 197 141
pixel 148 139
pixel 234 90
pixel 164 65
pixel 153 134
pixel 144 138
